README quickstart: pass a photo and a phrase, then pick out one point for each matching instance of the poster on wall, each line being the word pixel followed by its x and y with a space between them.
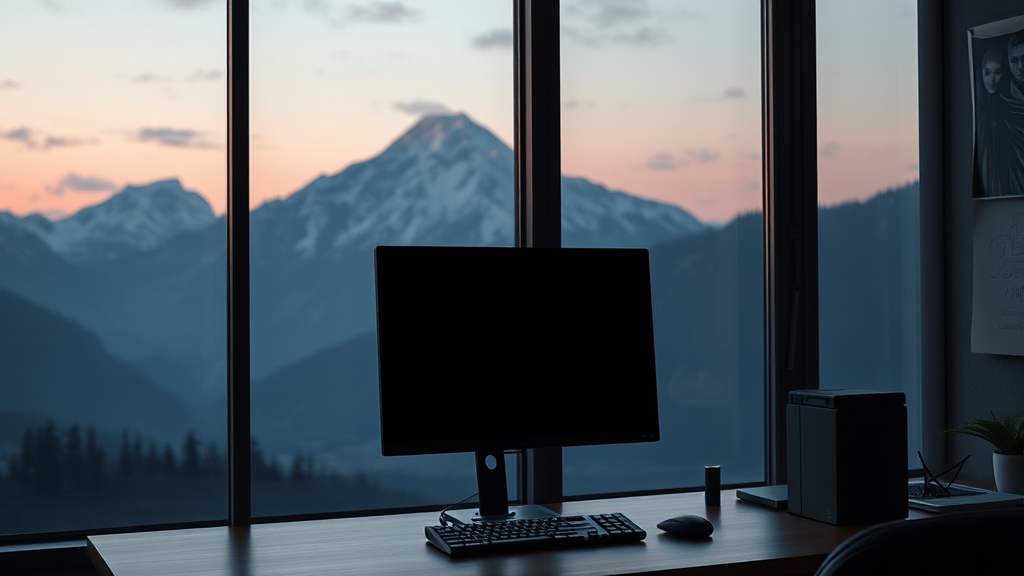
pixel 996 53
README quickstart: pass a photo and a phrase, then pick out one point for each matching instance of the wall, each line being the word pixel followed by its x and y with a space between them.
pixel 975 383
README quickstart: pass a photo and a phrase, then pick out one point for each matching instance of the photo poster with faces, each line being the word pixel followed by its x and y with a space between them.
pixel 997 88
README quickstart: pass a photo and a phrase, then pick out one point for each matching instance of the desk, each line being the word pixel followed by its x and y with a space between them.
pixel 748 539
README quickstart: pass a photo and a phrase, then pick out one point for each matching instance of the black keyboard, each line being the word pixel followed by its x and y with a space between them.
pixel 534 534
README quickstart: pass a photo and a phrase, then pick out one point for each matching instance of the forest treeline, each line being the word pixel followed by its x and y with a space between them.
pixel 52 461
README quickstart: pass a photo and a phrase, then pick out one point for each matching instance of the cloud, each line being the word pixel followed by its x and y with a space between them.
pixel 828 149
pixel 23 135
pixel 608 13
pixel 147 78
pixel 317 7
pixel 57 142
pixel 210 75
pixel 914 166
pixel 703 156
pixel 27 137
pixel 665 162
pixel 187 4
pixel 500 38
pixel 76 183
pixel 383 12
pixel 732 93
pixel 373 12
pixel 422 107
pixel 647 36
pixel 174 137
pixel 9 85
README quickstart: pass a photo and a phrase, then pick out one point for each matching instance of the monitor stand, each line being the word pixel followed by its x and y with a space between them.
pixel 493 493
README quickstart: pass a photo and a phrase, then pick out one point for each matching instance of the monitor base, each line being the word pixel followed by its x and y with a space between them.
pixel 524 512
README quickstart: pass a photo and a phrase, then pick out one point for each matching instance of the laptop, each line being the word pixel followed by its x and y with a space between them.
pixel 932 495
pixel 961 498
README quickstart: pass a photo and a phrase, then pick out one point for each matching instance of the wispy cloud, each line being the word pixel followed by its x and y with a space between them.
pixel 383 12
pixel 422 107
pixel 828 149
pixel 732 94
pixel 205 76
pixel 609 13
pixel 598 23
pixel 75 183
pixel 665 162
pixel 500 38
pixel 650 36
pixel 28 137
pixel 9 85
pixel 703 156
pixel 23 135
pixel 58 142
pixel 646 36
pixel 174 137
pixel 372 12
pixel 148 78
pixel 187 4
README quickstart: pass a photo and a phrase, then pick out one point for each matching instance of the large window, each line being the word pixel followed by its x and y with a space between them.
pixel 112 258
pixel 662 150
pixel 869 245
pixel 392 123
pixel 372 124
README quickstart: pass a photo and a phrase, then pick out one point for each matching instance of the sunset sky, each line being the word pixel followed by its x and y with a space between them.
pixel 660 98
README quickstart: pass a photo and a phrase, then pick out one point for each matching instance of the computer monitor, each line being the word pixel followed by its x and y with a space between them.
pixel 489 350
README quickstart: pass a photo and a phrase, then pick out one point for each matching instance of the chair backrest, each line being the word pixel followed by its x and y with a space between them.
pixel 976 543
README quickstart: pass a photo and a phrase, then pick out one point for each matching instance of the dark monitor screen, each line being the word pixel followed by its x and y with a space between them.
pixel 511 348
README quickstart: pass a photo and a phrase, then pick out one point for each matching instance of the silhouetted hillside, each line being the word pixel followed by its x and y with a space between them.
pixel 331 394
pixel 54 366
pixel 709 334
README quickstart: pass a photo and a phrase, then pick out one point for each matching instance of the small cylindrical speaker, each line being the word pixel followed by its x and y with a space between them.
pixel 712 485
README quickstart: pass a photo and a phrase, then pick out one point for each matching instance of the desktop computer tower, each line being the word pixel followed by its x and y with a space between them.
pixel 847 455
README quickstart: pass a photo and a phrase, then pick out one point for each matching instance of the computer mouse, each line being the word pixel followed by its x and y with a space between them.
pixel 687 526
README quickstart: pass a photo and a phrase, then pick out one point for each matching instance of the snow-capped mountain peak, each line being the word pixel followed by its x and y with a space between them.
pixel 136 219
pixel 449 181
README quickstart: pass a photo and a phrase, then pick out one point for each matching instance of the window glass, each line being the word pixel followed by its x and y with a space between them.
pixel 868 195
pixel 661 148
pixel 373 123
pixel 112 259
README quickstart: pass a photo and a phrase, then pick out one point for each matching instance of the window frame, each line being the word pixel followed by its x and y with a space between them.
pixel 789 172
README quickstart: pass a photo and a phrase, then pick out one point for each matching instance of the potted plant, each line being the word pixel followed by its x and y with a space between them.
pixel 1007 437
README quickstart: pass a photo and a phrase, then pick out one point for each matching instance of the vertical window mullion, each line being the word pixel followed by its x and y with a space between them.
pixel 239 485
pixel 538 184
pixel 791 217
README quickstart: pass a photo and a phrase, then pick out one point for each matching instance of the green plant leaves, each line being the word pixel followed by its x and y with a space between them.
pixel 1006 436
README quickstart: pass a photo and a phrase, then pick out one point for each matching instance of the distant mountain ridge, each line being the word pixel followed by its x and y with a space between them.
pixel 446 181
pixel 63 371
pixel 138 218
pixel 154 291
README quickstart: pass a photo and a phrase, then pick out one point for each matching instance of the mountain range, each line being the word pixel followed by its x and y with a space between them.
pixel 144 270
pixel 145 296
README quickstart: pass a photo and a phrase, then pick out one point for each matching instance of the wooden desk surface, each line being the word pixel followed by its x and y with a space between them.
pixel 748 539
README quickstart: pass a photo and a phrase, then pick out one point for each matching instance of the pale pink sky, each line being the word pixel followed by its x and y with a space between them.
pixel 661 99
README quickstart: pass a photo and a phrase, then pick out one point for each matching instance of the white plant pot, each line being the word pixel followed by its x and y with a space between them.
pixel 1009 472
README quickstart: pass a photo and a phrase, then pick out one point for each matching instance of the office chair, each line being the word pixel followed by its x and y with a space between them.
pixel 978 542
